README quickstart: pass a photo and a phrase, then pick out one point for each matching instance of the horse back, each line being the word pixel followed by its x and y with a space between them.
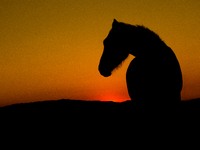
pixel 154 78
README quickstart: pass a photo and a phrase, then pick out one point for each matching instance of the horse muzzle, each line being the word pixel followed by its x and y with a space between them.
pixel 104 72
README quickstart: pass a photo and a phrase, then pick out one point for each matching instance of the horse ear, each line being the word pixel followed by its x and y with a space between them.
pixel 115 22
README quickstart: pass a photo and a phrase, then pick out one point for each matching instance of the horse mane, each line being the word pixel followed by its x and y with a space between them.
pixel 144 39
pixel 141 32
pixel 149 34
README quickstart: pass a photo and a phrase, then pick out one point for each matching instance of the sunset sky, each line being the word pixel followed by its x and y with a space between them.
pixel 50 49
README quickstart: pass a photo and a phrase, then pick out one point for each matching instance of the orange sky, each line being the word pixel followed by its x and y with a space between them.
pixel 50 49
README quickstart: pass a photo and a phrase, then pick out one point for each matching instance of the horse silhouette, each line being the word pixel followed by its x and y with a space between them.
pixel 154 75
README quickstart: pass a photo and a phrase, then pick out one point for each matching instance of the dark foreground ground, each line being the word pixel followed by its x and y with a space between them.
pixel 98 121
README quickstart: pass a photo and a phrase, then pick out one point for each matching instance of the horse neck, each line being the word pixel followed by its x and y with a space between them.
pixel 142 46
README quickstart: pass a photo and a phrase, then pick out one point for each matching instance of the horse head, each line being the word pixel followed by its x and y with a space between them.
pixel 114 52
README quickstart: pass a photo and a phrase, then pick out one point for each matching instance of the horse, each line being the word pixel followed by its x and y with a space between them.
pixel 154 75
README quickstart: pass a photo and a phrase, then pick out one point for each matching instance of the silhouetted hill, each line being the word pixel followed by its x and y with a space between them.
pixel 74 106
pixel 70 113
pixel 77 117
pixel 65 108
pixel 62 104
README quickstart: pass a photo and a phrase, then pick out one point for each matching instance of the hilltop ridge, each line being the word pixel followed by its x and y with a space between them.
pixel 65 104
